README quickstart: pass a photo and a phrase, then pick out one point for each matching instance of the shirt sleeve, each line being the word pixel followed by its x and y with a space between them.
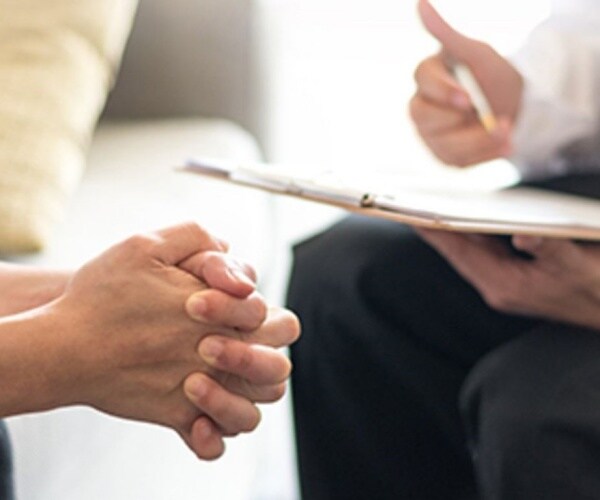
pixel 557 131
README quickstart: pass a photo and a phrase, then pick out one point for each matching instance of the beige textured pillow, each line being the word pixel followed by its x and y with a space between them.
pixel 58 59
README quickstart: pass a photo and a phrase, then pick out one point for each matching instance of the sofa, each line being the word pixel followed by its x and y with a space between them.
pixel 189 85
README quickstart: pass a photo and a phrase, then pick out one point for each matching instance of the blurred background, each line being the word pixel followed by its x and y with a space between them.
pixel 340 71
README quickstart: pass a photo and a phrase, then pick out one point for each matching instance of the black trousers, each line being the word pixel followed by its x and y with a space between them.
pixel 407 385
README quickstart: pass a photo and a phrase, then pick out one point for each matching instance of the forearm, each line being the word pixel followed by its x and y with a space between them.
pixel 36 368
pixel 23 288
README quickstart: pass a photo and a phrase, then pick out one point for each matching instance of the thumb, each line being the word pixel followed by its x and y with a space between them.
pixel 454 43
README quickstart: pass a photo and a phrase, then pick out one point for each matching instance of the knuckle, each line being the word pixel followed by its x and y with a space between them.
pixel 197 233
pixel 422 70
pixel 193 228
pixel 182 418
pixel 140 243
pixel 483 51
pixel 415 109
pixel 245 360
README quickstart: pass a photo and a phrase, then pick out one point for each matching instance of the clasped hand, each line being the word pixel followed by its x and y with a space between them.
pixel 167 328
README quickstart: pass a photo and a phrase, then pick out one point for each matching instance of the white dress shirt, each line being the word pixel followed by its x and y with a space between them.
pixel 558 128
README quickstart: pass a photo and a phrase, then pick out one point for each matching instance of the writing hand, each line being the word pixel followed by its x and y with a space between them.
pixel 443 112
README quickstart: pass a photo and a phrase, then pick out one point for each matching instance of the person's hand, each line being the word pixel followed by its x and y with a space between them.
pixel 442 110
pixel 127 342
pixel 561 281
pixel 246 370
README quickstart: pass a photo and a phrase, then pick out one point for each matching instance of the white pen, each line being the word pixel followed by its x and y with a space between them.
pixel 484 111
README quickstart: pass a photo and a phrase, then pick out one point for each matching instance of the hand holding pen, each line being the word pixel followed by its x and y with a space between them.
pixel 467 98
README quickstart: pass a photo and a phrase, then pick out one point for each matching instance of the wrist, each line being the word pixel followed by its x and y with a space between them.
pixel 36 356
pixel 26 288
pixel 70 357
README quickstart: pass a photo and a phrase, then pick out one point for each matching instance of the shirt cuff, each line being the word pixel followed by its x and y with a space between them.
pixel 544 127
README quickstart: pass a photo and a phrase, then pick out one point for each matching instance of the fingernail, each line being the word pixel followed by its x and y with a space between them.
pixel 211 349
pixel 241 277
pixel 198 388
pixel 197 307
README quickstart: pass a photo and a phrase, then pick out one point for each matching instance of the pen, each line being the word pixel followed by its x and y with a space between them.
pixel 482 107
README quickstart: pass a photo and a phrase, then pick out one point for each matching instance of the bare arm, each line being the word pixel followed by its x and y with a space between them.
pixel 33 348
pixel 23 288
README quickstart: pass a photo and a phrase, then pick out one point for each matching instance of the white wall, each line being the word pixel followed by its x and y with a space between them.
pixel 342 72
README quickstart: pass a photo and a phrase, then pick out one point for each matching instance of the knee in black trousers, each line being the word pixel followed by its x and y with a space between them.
pixel 532 411
pixel 391 334
pixel 362 429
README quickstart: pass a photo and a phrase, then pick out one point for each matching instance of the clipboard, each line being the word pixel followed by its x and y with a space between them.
pixel 510 211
